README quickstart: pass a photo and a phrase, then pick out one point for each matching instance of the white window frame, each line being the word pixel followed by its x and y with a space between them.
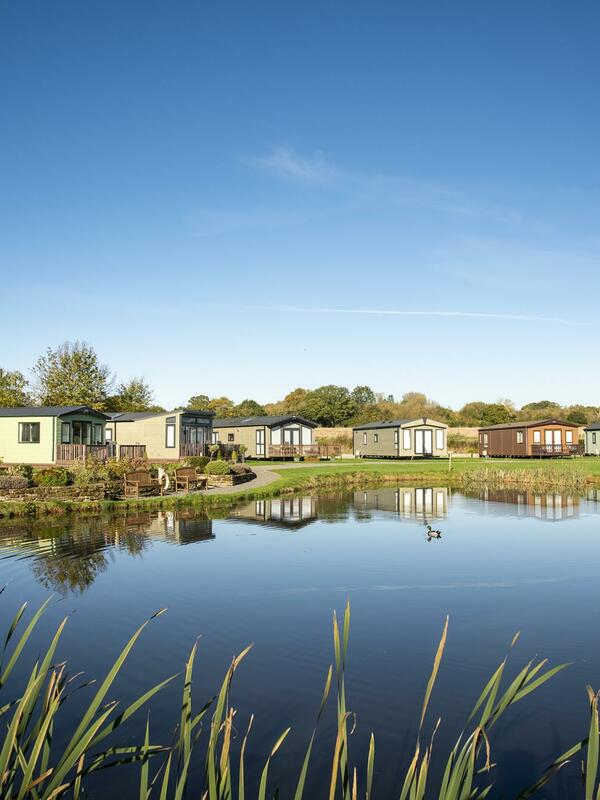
pixel 537 437
pixel 406 439
pixel 170 436
pixel 439 439
pixel 520 437
pixel 375 438
pixel 569 437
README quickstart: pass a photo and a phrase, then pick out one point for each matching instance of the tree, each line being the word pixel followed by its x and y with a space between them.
pixel 13 389
pixel 222 406
pixel 249 408
pixel 363 395
pixel 72 375
pixel 496 413
pixel 135 395
pixel 198 402
pixel 329 405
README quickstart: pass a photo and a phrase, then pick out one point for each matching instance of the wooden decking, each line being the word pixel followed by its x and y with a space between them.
pixel 556 450
pixel 68 453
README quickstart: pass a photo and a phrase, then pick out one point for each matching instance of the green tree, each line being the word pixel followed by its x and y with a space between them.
pixel 363 395
pixel 133 395
pixel 198 402
pixel 496 413
pixel 13 389
pixel 249 408
pixel 222 406
pixel 329 405
pixel 71 375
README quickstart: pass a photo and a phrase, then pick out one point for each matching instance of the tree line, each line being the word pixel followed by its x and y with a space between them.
pixel 73 374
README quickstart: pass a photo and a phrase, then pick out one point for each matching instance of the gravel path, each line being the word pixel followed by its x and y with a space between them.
pixel 264 477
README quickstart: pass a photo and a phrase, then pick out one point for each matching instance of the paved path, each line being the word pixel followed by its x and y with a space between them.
pixel 264 477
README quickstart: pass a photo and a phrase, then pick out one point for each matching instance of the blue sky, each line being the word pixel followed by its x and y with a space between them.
pixel 252 177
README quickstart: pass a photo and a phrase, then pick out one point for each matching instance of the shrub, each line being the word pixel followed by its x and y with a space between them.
pixel 13 482
pixel 116 468
pixel 234 456
pixel 240 469
pixel 198 462
pixel 53 476
pixel 218 467
pixel 22 470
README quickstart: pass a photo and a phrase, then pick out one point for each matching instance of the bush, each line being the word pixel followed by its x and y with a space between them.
pixel 13 482
pixel 234 456
pixel 53 476
pixel 218 467
pixel 22 470
pixel 116 468
pixel 198 462
pixel 240 469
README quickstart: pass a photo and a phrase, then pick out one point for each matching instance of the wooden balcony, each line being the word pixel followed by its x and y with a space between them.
pixel 324 451
pixel 69 453
pixel 556 450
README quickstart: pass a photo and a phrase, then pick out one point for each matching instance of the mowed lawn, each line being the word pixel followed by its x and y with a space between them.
pixel 295 474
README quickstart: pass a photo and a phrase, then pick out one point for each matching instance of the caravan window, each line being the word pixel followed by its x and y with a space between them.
pixel 65 433
pixel 519 437
pixel 170 432
pixel 439 439
pixel 569 437
pixel 375 437
pixel 29 432
pixel 406 440
pixel 364 438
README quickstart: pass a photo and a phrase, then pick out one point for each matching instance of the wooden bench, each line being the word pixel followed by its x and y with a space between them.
pixel 140 482
pixel 187 478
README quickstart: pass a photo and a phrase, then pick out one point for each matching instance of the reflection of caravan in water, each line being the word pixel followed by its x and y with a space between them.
pixel 551 506
pixel 178 527
pixel 286 512
pixel 422 503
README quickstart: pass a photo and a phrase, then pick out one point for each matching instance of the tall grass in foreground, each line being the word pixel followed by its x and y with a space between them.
pixel 549 478
pixel 32 766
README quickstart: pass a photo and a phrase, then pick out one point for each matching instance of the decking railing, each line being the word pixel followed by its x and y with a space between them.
pixel 304 450
pixel 132 451
pixel 541 450
pixel 68 453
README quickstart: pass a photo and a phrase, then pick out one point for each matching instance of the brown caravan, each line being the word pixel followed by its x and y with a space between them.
pixel 540 439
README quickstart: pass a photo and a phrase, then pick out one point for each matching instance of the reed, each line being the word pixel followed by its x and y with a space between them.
pixel 31 766
pixel 549 478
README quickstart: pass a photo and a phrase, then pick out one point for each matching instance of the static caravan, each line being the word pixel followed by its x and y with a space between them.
pixel 167 436
pixel 285 436
pixel 539 439
pixel 401 438
pixel 591 436
pixel 46 435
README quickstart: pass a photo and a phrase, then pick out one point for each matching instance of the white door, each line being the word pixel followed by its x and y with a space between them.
pixel 548 440
pixel 558 438
pixel 428 443
pixel 260 442
pixel 419 443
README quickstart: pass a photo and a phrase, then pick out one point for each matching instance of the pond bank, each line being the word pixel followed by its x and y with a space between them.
pixel 294 478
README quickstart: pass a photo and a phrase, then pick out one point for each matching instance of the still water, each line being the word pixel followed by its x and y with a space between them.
pixel 272 572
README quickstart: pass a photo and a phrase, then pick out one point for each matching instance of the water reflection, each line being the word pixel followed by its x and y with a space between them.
pixel 416 503
pixel 283 512
pixel 548 506
pixel 69 555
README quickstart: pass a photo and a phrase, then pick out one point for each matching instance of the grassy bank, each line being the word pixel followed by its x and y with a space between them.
pixel 566 476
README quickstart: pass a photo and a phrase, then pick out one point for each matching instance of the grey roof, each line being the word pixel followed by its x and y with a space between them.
pixel 388 423
pixel 269 421
pixel 48 411
pixel 595 426
pixel 396 423
pixel 535 424
pixel 132 416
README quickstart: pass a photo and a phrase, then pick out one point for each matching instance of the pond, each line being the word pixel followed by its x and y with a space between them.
pixel 271 574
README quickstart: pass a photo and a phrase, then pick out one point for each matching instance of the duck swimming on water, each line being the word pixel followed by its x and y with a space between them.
pixel 432 534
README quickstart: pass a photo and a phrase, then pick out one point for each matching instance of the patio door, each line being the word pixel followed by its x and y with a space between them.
pixel 423 442
pixel 557 441
pixel 260 441
pixel 291 436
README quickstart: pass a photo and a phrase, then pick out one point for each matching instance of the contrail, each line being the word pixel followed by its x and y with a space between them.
pixel 406 313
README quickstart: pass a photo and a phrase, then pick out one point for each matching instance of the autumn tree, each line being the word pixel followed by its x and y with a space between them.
pixel 132 395
pixel 13 389
pixel 71 375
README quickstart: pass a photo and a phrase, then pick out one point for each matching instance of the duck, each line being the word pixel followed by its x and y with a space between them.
pixel 432 534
